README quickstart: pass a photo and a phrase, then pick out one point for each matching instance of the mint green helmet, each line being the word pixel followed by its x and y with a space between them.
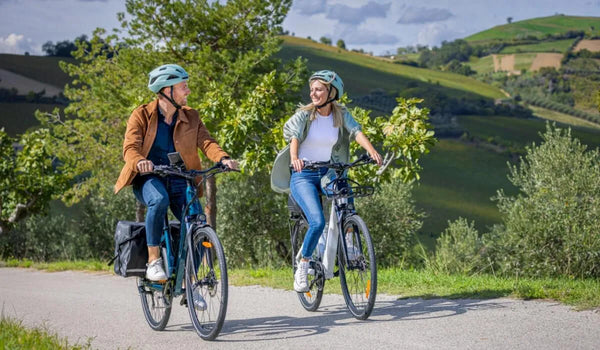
pixel 166 75
pixel 332 78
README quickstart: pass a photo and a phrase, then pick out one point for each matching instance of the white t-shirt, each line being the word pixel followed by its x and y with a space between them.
pixel 322 135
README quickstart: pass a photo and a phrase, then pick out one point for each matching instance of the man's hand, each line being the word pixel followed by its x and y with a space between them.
pixel 231 164
pixel 145 166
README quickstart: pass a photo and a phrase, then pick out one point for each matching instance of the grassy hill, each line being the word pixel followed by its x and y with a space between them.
pixel 537 27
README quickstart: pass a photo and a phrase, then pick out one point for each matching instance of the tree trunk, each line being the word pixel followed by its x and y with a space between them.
pixel 140 211
pixel 211 202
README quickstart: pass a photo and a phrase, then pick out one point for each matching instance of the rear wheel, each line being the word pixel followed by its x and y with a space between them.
pixel 312 299
pixel 206 283
pixel 156 301
pixel 358 273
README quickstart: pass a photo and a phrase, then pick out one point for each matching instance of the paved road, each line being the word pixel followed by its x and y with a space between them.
pixel 105 307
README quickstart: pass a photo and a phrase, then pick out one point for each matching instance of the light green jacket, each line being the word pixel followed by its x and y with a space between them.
pixel 297 127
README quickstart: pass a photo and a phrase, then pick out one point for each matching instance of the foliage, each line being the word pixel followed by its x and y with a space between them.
pixel 325 40
pixel 393 222
pixel 63 48
pixel 241 91
pixel 28 177
pixel 459 249
pixel 252 221
pixel 458 50
pixel 406 135
pixel 14 335
pixel 341 44
pixel 551 228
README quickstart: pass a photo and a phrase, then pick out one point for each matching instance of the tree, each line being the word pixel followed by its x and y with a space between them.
pixel 63 48
pixel 341 44
pixel 509 20
pixel 240 89
pixel 552 226
pixel 325 40
pixel 28 177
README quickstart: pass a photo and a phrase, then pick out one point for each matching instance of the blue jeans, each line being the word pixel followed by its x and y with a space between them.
pixel 157 194
pixel 305 187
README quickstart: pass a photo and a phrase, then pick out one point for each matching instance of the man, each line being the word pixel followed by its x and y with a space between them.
pixel 155 129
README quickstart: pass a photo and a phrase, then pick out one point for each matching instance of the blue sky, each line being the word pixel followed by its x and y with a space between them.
pixel 377 26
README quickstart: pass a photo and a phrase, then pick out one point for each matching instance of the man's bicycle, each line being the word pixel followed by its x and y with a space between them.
pixel 194 262
pixel 348 238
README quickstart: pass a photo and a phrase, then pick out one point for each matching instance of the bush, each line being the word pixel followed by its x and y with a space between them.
pixel 393 222
pixel 252 221
pixel 459 249
pixel 552 227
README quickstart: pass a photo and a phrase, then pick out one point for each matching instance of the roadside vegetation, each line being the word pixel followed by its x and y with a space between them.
pixel 15 336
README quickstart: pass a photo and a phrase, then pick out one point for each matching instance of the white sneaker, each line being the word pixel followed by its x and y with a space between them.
pixel 300 277
pixel 155 271
pixel 351 249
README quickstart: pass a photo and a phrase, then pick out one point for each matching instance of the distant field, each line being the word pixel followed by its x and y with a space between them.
pixel 16 118
pixel 514 63
pixel 537 27
pixel 562 118
pixel 590 45
pixel 546 60
pixel 547 46
pixel 364 70
pixel 24 85
pixel 42 68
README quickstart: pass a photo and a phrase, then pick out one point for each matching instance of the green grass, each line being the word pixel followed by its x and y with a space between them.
pixel 16 118
pixel 42 68
pixel 482 65
pixel 582 294
pixel 524 60
pixel 538 27
pixel 559 46
pixel 76 265
pixel 363 73
pixel 562 118
pixel 15 336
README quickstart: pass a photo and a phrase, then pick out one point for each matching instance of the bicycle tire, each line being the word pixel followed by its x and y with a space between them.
pixel 359 280
pixel 209 279
pixel 312 299
pixel 155 302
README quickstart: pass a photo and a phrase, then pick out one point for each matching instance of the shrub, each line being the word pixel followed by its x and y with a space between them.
pixel 459 249
pixel 552 227
pixel 393 222
pixel 252 221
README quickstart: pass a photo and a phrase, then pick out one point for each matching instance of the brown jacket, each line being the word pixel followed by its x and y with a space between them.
pixel 189 135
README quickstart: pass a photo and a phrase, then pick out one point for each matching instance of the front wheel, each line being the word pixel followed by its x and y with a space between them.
pixel 358 270
pixel 312 299
pixel 206 282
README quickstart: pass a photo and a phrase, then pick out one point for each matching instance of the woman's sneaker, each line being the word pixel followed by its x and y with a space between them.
pixel 300 277
pixel 155 271
pixel 199 302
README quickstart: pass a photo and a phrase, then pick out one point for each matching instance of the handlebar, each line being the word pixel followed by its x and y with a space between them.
pixel 172 170
pixel 362 160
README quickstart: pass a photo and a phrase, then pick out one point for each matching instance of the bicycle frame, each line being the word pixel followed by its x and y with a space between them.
pixel 192 216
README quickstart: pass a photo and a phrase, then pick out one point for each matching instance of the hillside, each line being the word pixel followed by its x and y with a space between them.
pixel 539 28
pixel 459 176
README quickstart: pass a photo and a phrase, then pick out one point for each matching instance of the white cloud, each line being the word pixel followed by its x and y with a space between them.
pixel 420 15
pixel 17 44
pixel 357 15
pixel 434 33
pixel 309 7
pixel 357 36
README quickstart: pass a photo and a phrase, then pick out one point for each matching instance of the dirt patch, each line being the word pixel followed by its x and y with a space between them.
pixel 546 60
pixel 24 85
pixel 505 63
pixel 590 45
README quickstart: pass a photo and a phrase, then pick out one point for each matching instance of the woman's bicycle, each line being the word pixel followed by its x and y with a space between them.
pixel 349 239
pixel 194 262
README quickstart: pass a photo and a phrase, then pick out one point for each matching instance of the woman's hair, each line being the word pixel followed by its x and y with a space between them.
pixel 336 109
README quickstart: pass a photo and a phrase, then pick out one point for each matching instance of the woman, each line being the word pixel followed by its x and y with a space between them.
pixel 319 131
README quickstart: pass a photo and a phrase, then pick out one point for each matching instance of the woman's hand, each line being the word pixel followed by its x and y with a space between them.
pixel 375 156
pixel 145 166
pixel 231 164
pixel 298 164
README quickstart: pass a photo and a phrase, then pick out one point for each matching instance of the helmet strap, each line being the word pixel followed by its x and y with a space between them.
pixel 171 99
pixel 329 100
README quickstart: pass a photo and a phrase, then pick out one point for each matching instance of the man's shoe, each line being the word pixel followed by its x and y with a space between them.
pixel 155 271
pixel 199 302
pixel 300 277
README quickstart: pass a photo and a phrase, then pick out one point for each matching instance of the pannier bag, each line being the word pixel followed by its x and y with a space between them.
pixel 131 251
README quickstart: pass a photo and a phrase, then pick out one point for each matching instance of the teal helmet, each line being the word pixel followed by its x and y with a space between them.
pixel 166 75
pixel 330 77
